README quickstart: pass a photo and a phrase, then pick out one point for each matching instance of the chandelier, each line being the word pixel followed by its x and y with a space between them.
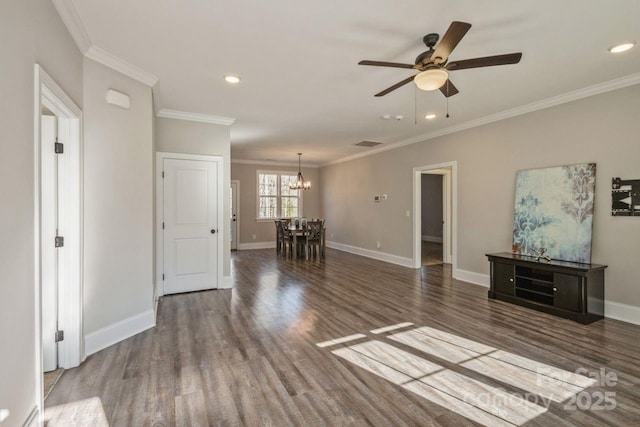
pixel 300 183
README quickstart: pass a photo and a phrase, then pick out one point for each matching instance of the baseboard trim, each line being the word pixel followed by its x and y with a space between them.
pixel 32 418
pixel 154 301
pixel 227 283
pixel 380 256
pixel 159 290
pixel 432 239
pixel 258 245
pixel 119 331
pixel 612 310
pixel 623 312
pixel 471 277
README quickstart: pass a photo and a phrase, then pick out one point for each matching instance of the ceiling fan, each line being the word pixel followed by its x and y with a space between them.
pixel 434 66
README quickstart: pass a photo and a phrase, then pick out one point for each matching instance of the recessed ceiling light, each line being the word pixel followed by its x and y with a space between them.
pixel 622 47
pixel 229 78
pixel 430 116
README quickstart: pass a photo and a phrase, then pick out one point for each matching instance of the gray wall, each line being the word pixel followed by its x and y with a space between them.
pixel 265 230
pixel 181 136
pixel 602 129
pixel 431 220
pixel 118 203
pixel 31 32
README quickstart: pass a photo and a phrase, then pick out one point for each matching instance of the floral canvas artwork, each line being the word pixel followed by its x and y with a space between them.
pixel 554 211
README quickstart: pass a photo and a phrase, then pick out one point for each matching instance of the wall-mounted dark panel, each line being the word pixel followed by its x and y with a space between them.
pixel 625 197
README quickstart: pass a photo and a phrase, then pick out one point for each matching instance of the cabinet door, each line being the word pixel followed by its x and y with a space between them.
pixel 503 275
pixel 566 291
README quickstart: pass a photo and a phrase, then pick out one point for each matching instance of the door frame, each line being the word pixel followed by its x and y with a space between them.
pixel 160 157
pixel 450 199
pixel 70 274
pixel 236 202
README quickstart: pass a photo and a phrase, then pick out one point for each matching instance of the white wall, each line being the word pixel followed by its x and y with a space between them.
pixel 182 136
pixel 265 230
pixel 31 32
pixel 602 129
pixel 118 200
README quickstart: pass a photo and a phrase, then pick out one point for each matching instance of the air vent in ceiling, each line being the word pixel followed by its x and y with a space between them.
pixel 368 144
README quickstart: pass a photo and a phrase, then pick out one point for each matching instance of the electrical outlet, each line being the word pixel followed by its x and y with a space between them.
pixel 332 235
pixel 253 237
pixel 408 213
pixel 378 244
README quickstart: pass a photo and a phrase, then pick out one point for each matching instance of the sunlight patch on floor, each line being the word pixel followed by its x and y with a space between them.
pixel 469 397
pixel 86 412
pixel 341 340
pixel 391 328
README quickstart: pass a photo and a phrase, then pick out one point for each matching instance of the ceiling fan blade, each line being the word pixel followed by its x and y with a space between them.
pixel 448 89
pixel 386 64
pixel 487 61
pixel 451 38
pixel 395 86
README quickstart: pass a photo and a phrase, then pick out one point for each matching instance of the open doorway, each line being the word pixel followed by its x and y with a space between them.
pixel 432 218
pixel 58 232
pixel 434 208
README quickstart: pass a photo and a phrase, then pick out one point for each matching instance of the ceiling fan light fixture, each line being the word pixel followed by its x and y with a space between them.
pixel 431 79
pixel 622 47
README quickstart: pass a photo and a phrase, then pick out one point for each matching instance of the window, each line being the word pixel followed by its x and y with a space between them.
pixel 275 198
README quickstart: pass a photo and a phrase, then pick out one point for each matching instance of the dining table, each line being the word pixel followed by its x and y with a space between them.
pixel 300 231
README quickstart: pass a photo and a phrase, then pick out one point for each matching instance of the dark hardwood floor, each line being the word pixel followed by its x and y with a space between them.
pixel 269 353
pixel 431 253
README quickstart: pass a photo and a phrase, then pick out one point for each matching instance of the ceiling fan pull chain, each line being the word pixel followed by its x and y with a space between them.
pixel 415 105
pixel 447 98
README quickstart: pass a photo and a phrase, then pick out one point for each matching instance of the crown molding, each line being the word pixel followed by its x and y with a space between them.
pixel 71 19
pixel 157 98
pixel 195 117
pixel 273 163
pixel 109 60
pixel 575 95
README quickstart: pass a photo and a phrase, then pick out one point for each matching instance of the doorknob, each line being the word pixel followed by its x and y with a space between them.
pixel 213 231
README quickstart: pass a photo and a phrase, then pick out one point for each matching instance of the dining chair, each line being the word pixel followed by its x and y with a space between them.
pixel 279 237
pixel 323 244
pixel 287 238
pixel 313 238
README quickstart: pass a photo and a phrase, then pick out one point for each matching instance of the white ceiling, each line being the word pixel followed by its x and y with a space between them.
pixel 302 89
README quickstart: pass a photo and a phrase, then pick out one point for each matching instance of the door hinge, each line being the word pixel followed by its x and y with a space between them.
pixel 59 336
pixel 58 147
pixel 163 174
pixel 163 225
pixel 163 276
pixel 59 241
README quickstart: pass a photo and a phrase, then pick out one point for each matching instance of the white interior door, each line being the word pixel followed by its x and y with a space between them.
pixel 49 254
pixel 234 215
pixel 190 195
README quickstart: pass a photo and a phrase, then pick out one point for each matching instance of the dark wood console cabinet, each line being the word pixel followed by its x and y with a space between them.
pixel 567 289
